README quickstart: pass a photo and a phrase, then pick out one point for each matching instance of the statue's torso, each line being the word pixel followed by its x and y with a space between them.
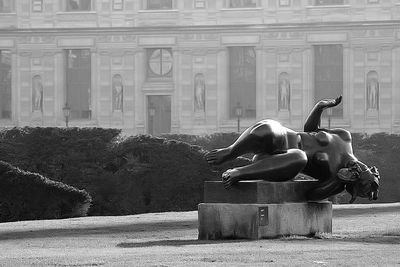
pixel 327 151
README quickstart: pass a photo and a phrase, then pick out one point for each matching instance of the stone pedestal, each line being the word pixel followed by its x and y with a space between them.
pixel 260 209
pixel 257 192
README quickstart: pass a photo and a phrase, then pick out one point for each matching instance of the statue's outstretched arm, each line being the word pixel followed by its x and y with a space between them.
pixel 314 118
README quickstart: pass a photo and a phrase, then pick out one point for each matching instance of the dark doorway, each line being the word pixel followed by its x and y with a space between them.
pixel 158 114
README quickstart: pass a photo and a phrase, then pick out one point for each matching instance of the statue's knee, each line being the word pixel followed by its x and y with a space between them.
pixel 299 157
pixel 261 130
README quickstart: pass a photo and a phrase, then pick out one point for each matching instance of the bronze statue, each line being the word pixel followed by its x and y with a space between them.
pixel 281 153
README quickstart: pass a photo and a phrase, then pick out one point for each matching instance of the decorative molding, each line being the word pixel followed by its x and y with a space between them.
pixel 5 43
pixel 157 41
pixel 327 37
pixel 240 39
pixel 75 42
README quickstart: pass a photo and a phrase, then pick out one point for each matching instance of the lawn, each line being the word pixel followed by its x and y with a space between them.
pixel 362 235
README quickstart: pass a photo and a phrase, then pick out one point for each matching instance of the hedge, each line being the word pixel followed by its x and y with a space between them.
pixel 29 196
pixel 128 175
pixel 124 175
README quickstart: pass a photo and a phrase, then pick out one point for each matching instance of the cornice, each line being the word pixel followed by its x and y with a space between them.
pixel 257 28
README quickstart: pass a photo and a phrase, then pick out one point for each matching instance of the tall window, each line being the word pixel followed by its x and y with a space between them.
pixel 6 6
pixel 78 82
pixel 118 5
pixel 242 3
pixel 159 4
pixel 37 5
pixel 242 81
pixel 78 5
pixel 328 2
pixel 328 70
pixel 5 84
pixel 159 63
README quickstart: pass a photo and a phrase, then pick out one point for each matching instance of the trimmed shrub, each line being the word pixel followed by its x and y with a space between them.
pixel 154 174
pixel 30 196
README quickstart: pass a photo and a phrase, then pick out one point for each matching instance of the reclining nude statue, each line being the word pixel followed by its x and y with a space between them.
pixel 281 153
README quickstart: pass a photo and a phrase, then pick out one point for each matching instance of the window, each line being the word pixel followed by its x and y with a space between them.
pixel 284 3
pixel 37 5
pixel 328 74
pixel 78 82
pixel 159 63
pixel 200 4
pixel 242 3
pixel 242 81
pixel 5 84
pixel 118 5
pixel 6 6
pixel 159 4
pixel 328 2
pixel 78 5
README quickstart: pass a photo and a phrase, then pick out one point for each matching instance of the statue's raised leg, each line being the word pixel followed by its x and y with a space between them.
pixel 263 137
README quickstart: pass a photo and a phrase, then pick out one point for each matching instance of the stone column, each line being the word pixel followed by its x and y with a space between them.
pixel 15 87
pixel 175 112
pixel 139 98
pixel 395 89
pixel 222 85
pixel 260 92
pixel 60 93
pixel 347 88
pixel 94 99
pixel 308 87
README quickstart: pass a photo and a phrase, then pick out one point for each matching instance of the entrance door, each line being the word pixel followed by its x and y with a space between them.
pixel 158 114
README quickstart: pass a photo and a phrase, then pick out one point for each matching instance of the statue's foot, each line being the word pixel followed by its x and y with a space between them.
pixel 217 156
pixel 230 177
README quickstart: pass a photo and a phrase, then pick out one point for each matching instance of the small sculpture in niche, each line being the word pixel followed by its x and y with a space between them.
pixel 199 92
pixel 37 93
pixel 284 92
pixel 118 92
pixel 372 91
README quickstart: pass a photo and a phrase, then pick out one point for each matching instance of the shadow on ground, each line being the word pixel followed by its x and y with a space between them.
pixel 344 212
pixel 176 243
pixel 101 230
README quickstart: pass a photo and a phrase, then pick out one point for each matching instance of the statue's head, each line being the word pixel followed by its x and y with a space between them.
pixel 361 180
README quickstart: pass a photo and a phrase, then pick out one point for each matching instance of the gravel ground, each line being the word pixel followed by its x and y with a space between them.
pixel 363 235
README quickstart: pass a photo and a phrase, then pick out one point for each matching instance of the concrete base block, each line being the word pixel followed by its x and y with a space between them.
pixel 256 221
pixel 258 191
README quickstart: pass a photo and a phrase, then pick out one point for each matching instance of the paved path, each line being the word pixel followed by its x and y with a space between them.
pixel 363 235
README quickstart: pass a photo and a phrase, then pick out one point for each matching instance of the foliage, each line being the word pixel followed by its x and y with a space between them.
pixel 29 196
pixel 128 175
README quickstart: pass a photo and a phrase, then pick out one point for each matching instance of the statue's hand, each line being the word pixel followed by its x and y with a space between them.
pixel 328 103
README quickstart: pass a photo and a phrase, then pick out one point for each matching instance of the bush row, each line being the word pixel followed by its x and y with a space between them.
pixel 28 196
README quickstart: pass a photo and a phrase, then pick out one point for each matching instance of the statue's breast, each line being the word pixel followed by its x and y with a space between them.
pixel 323 138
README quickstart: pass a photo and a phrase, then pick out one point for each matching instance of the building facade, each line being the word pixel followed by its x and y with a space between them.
pixel 195 66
